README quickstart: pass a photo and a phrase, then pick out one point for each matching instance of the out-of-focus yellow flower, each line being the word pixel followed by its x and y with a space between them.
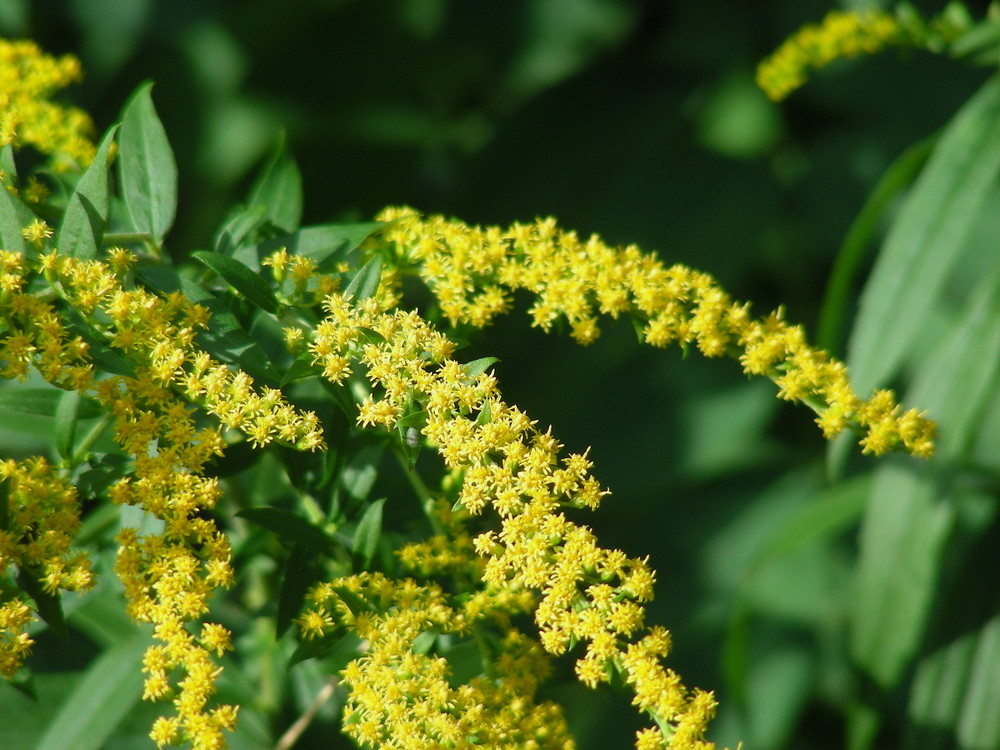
pixel 28 117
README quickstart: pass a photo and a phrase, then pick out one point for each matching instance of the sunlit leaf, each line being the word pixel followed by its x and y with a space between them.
pixel 146 167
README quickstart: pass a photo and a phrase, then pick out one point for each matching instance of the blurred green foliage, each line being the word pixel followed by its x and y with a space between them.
pixel 640 121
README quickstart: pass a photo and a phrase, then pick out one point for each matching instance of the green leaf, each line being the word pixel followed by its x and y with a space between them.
pixel 368 533
pixel 287 525
pixel 824 517
pixel 903 537
pixel 858 239
pixel 49 606
pixel 43 402
pixel 979 723
pixel 477 367
pixel 4 502
pixel 109 690
pixel 67 414
pixel 278 189
pixel 86 214
pixel 926 241
pixel 148 173
pixel 7 163
pixel 337 646
pixel 365 281
pixel 241 278
pixel 981 38
pixel 241 224
pixel 958 380
pixel 301 571
pixel 14 216
pixel 102 618
pixel 323 243
pixel 302 367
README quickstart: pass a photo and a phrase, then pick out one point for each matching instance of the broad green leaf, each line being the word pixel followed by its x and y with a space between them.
pixel 368 533
pixel 926 240
pixel 322 243
pixel 478 366
pixel 903 536
pixel 365 282
pixel 278 188
pixel 67 415
pixel 108 691
pixel 854 248
pixel 981 38
pixel 7 163
pixel 959 378
pixel 241 278
pixel 234 232
pixel 301 571
pixel 979 723
pixel 301 367
pixel 936 697
pixel 87 212
pixel 780 681
pixel 4 502
pixel 358 477
pixel 167 280
pixel 146 167
pixel 102 618
pixel 14 216
pixel 338 648
pixel 825 517
pixel 43 402
pixel 287 525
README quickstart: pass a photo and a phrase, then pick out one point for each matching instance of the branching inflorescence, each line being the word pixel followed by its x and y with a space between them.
pixel 505 551
pixel 473 272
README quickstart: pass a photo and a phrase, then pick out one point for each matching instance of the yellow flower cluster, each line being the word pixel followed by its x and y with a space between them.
pixel 474 271
pixel 28 78
pixel 588 594
pixel 401 698
pixel 39 515
pixel 840 35
pixel 168 575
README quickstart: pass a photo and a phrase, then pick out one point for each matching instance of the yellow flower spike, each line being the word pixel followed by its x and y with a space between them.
pixel 574 280
pixel 848 34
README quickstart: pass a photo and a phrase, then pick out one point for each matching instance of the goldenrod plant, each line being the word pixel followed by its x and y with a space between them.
pixel 214 424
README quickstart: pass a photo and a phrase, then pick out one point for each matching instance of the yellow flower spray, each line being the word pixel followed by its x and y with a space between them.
pixel 506 548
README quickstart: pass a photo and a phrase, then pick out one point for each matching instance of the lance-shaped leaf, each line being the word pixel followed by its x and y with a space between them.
pixel 109 690
pixel 926 241
pixel 288 526
pixel 301 571
pixel 147 170
pixel 365 281
pixel 278 188
pixel 241 278
pixel 368 533
pixel 86 214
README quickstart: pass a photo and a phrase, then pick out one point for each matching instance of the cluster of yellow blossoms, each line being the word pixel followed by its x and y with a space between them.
pixel 849 34
pixel 39 515
pixel 474 271
pixel 168 573
pixel 28 78
pixel 587 594
pixel 840 35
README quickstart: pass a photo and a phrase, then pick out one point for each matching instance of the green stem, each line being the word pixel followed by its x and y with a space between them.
pixel 83 449
pixel 421 490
